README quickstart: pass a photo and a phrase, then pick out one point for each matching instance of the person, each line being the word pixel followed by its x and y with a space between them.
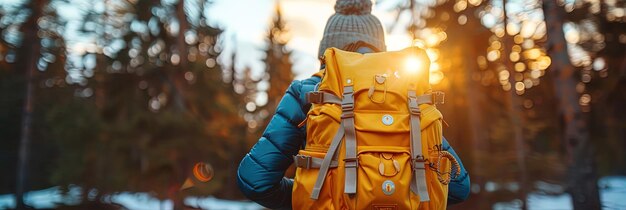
pixel 260 175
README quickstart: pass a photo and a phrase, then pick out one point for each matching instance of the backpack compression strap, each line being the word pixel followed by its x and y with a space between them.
pixel 330 155
pixel 418 184
pixel 319 97
pixel 345 129
pixel 347 119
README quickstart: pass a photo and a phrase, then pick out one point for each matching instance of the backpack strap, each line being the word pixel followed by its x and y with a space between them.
pixel 319 97
pixel 418 162
pixel 347 119
pixel 330 155
pixel 307 162
pixel 436 97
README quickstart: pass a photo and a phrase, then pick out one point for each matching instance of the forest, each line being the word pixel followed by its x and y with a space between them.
pixel 128 95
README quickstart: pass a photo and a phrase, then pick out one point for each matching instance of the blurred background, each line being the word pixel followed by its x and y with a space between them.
pixel 108 104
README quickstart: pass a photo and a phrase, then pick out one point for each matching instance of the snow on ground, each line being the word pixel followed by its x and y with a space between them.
pixel 214 203
pixel 612 194
pixel 51 197
pixel 46 198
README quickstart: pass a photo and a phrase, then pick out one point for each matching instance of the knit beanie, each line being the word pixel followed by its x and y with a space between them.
pixel 352 22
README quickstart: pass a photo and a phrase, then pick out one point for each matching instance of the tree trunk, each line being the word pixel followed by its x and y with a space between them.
pixel 178 74
pixel 476 122
pixel 28 61
pixel 581 180
pixel 181 102
pixel 513 107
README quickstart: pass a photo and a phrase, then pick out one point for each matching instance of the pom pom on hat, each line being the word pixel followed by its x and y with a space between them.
pixel 353 7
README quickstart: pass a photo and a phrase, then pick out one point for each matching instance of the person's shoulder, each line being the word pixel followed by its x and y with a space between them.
pixel 299 87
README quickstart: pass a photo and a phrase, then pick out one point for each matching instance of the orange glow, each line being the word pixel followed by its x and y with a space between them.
pixel 419 43
pixel 496 45
pixel 504 75
pixel 535 74
pixel 436 77
pixel 520 67
pixel 506 86
pixel 514 56
pixel 432 40
pixel 433 54
pixel 585 99
pixel 413 64
pixel 533 53
pixel 512 28
pixel 499 32
pixel 493 55
pixel 434 67
pixel 460 6
pixel 528 83
pixel 203 172
pixel 475 2
pixel 544 62
pixel 518 39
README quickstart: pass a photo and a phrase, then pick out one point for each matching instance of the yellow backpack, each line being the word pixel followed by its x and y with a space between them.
pixel 373 136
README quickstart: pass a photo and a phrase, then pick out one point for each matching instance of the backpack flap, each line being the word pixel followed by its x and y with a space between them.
pixel 405 68
pixel 402 70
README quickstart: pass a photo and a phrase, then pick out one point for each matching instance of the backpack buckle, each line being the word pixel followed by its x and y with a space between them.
pixel 347 110
pixel 418 162
pixel 314 97
pixel 414 108
pixel 438 97
pixel 302 161
pixel 351 162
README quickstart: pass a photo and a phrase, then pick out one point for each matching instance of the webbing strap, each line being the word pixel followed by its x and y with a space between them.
pixel 418 184
pixel 347 119
pixel 319 97
pixel 308 162
pixel 330 154
pixel 422 99
pixel 436 97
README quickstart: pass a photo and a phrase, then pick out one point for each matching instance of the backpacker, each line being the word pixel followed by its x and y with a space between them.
pixel 373 136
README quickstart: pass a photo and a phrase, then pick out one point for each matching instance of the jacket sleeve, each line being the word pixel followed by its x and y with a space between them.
pixel 260 173
pixel 459 187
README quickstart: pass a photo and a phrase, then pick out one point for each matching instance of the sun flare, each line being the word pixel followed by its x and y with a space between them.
pixel 413 64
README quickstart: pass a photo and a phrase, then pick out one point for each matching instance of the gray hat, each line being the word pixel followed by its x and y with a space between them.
pixel 352 22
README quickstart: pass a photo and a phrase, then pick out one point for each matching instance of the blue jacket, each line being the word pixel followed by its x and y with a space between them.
pixel 260 173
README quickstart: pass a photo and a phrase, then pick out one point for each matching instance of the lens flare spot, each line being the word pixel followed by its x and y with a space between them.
pixel 413 64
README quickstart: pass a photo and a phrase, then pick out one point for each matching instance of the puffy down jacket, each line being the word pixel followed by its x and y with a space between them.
pixel 261 172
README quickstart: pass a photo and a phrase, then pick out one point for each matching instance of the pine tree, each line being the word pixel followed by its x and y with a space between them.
pixel 159 100
pixel 27 60
pixel 601 37
pixel 585 125
pixel 31 60
pixel 488 68
pixel 582 182
pixel 278 73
